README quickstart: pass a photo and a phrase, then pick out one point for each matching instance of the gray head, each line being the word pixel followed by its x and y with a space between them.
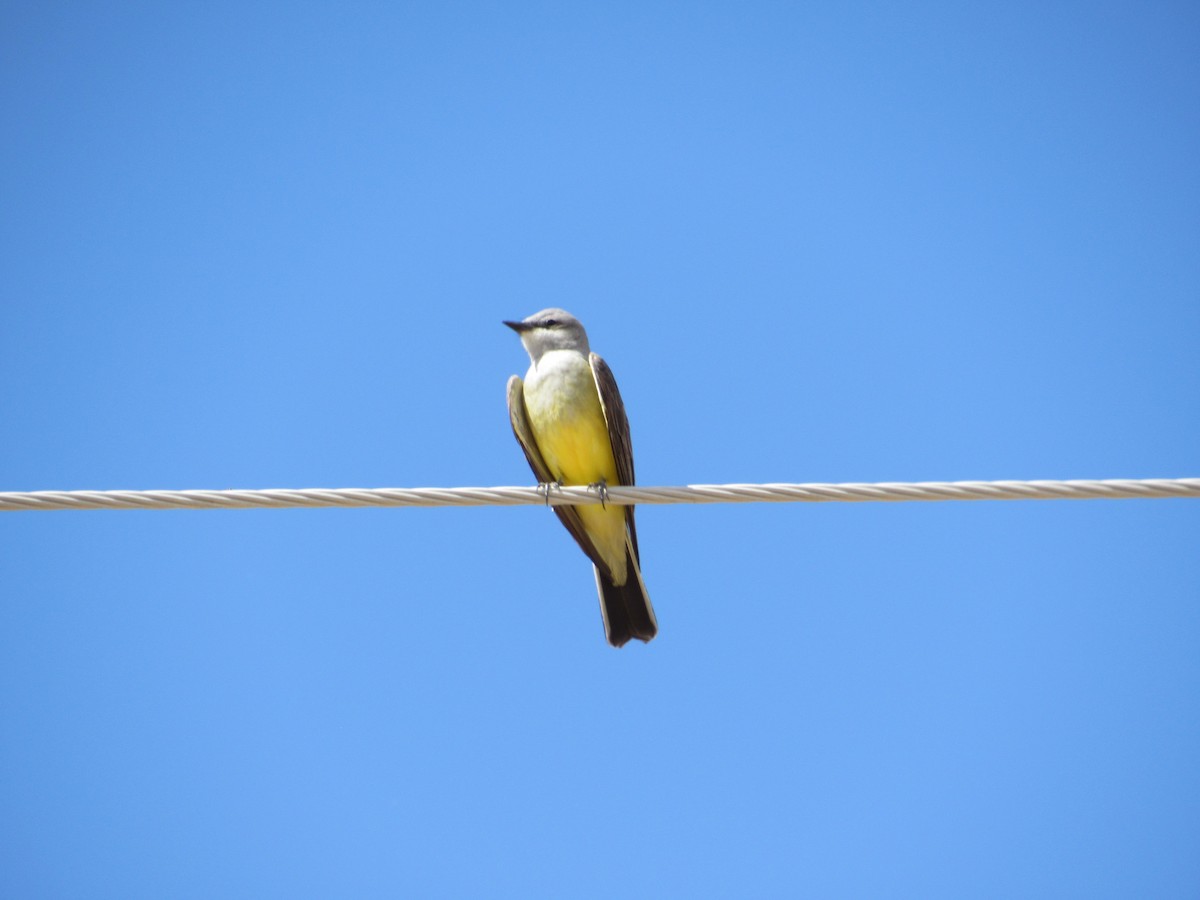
pixel 550 329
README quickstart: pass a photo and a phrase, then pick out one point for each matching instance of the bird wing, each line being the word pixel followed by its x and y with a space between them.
pixel 568 515
pixel 618 433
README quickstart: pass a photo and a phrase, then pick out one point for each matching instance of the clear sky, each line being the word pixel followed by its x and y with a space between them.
pixel 271 245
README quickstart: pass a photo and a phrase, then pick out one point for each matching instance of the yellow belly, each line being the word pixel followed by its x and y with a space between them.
pixel 572 435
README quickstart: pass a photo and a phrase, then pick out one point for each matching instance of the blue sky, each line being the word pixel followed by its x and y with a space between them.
pixel 271 245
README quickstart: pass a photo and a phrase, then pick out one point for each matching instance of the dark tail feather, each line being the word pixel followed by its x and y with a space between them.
pixel 626 609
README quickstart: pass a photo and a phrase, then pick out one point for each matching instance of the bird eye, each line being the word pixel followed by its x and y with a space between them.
pixel 551 323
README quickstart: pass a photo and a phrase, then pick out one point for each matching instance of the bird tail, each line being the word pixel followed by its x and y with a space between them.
pixel 626 608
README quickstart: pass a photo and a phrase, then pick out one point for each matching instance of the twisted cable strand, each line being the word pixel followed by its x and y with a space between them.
pixel 852 492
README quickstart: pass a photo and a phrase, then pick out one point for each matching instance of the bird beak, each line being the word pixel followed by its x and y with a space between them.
pixel 518 327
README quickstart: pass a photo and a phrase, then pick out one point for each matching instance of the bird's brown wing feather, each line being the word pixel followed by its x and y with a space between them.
pixel 618 433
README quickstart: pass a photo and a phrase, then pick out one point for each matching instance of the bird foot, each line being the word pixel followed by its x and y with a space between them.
pixel 601 488
pixel 545 487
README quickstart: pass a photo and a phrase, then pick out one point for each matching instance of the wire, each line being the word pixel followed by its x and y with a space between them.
pixel 1112 489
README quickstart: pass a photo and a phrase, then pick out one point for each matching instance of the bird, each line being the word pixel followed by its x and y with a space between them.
pixel 568 417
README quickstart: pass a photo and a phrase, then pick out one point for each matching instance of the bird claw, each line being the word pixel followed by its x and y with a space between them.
pixel 545 487
pixel 601 488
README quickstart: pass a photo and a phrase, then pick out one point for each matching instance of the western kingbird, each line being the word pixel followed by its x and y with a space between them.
pixel 569 419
